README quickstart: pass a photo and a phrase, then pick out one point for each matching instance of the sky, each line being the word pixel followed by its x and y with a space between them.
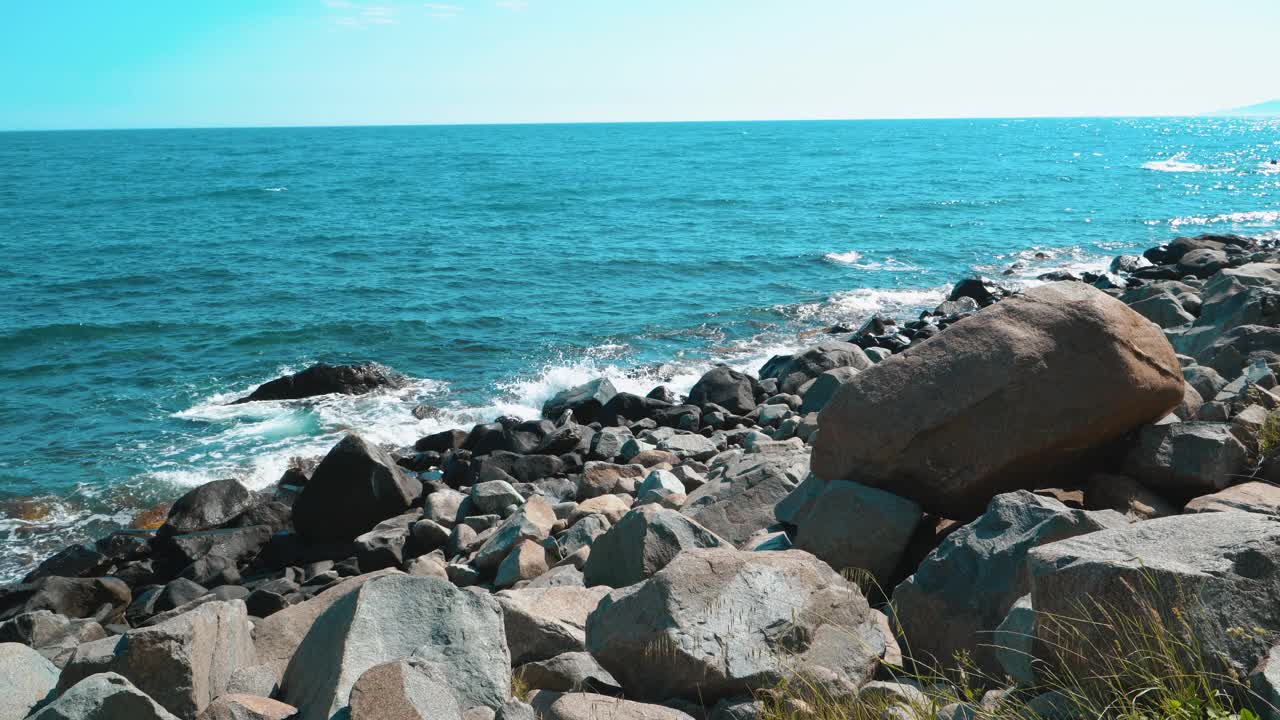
pixel 199 63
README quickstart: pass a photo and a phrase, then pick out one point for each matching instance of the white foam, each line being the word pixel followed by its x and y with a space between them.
pixel 889 264
pixel 1178 164
pixel 275 189
pixel 844 258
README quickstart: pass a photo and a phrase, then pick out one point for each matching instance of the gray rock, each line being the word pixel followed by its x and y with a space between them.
pixel 1127 497
pixel 824 388
pixel 26 679
pixel 429 565
pixel 209 507
pixel 739 708
pixel 689 445
pixel 966 586
pixel 718 623
pixel 740 494
pixel 1024 387
pixel 355 487
pixel 384 545
pixel 569 672
pixel 1187 458
pixel 1014 642
pixel 1264 682
pixel 1213 575
pixel 660 481
pixel 607 443
pixel 550 705
pixel 585 401
pixel 1163 310
pixel 442 507
pixel 642 543
pixel 793 371
pixel 404 689
pixel 393 617
pixel 183 663
pixel 494 496
pixel 602 478
pixel 583 532
pixel 727 388
pixel 261 680
pixel 52 635
pixel 515 710
pixel 106 696
pixel 544 622
pixel 1207 382
pixel 526 561
pixel 533 521
pixel 855 527
pixel 247 707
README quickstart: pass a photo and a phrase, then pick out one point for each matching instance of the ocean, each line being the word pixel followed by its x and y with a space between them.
pixel 150 277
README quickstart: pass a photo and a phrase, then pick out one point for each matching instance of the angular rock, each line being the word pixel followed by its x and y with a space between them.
pixel 324 379
pixel 404 689
pixel 855 527
pixel 544 622
pixel 72 597
pixel 533 521
pixel 824 387
pixel 494 496
pixel 1202 574
pixel 585 401
pixel 183 663
pixel 793 371
pixel 106 696
pixel 965 587
pixel 211 506
pixel 356 486
pixel 1127 497
pixel 726 387
pixel 55 637
pixel 442 507
pixel 396 617
pixel 1187 458
pixel 550 705
pixel 75 561
pixel 602 478
pixel 740 494
pixel 568 672
pixel 1031 383
pixel 26 679
pixel 717 623
pixel 689 445
pixel 526 561
pixel 641 543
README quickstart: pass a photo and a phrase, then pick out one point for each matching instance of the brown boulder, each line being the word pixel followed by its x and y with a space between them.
pixel 1030 384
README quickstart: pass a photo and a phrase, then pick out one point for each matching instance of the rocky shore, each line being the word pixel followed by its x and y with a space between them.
pixel 940 517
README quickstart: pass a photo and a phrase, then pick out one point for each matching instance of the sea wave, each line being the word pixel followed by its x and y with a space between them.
pixel 851 258
pixel 1178 163
pixel 1248 217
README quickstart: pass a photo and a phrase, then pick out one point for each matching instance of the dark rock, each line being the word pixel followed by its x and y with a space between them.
pixel 665 394
pixel 441 441
pixel 793 371
pixel 585 401
pixel 103 598
pixel 106 696
pixel 322 379
pixel 1187 458
pixel 641 543
pixel 624 408
pixel 209 507
pixel 178 592
pixel 982 290
pixel 728 388
pixel 74 561
pixel 354 488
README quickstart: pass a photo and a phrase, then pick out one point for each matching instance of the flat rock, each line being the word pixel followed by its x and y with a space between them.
pixel 1252 496
pixel 1031 383
pixel 247 707
pixel 740 493
pixel 718 623
pixel 550 705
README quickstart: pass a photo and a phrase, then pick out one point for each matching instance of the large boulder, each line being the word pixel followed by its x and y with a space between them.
pixel 818 393
pixel 404 689
pixel 1214 577
pixel 355 487
pixel 855 527
pixel 966 586
pixel 549 705
pixel 584 400
pixel 742 488
pixel 726 387
pixel 641 543
pixel 544 622
pixel 106 696
pixel 396 617
pixel 1026 385
pixel 323 379
pixel 718 623
pixel 183 663
pixel 54 636
pixel 793 371
pixel 26 679
pixel 209 507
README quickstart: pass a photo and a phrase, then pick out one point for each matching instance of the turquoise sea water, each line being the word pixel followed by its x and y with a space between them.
pixel 149 277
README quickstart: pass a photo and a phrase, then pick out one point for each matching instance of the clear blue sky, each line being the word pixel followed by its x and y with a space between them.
pixel 166 63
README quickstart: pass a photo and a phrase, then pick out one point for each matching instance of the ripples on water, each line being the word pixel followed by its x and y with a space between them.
pixel 152 276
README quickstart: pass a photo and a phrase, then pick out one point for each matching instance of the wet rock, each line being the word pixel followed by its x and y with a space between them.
pixel 324 379
pixel 728 388
pixel 356 486
pixel 585 401
pixel 72 597
pixel 824 387
pixel 997 400
pixel 793 371
pixel 728 623
pixel 211 506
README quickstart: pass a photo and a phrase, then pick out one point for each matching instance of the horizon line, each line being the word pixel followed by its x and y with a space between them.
pixel 356 125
